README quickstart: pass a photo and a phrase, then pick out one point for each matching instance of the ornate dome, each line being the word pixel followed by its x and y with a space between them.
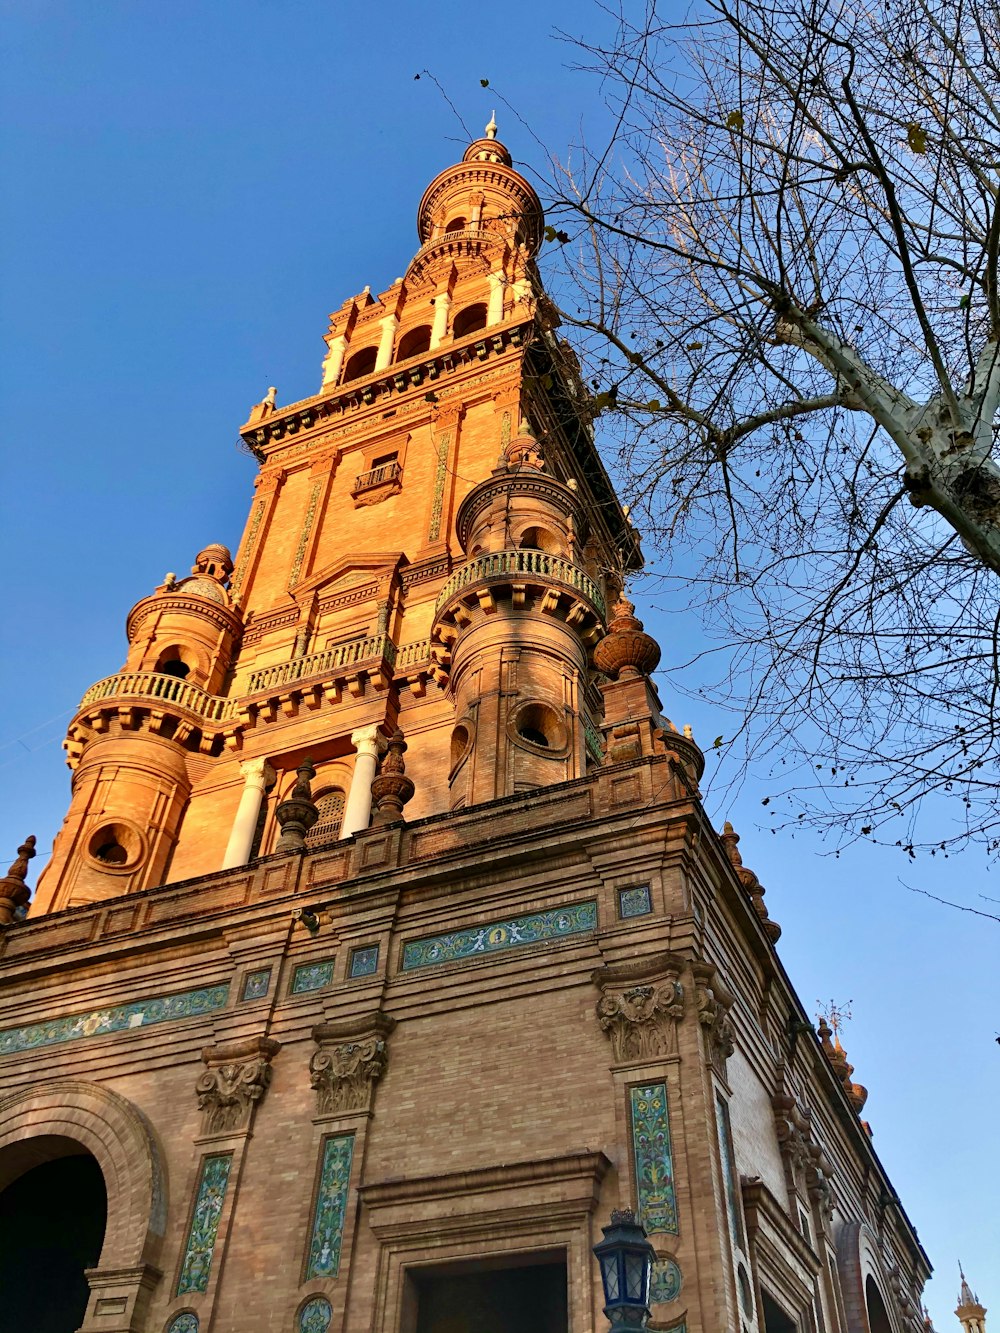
pixel 204 587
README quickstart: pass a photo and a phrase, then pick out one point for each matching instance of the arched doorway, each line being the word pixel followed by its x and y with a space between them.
pixel 53 1215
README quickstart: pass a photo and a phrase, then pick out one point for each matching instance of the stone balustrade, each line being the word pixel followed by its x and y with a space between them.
pixel 499 566
pixel 343 655
pixel 153 685
pixel 413 654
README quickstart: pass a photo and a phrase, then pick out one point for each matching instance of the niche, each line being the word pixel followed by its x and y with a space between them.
pixel 469 320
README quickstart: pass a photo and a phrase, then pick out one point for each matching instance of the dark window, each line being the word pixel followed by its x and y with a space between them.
pixel 174 667
pixel 775 1319
pixel 360 364
pixel 469 320
pixel 414 343
pixel 499 1300
pixel 456 224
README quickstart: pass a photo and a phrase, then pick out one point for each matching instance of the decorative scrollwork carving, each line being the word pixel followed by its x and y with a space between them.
pixel 714 1002
pixel 350 1059
pixel 237 1077
pixel 640 1007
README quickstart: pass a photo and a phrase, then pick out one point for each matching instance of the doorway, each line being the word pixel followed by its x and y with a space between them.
pixel 490 1299
pixel 53 1215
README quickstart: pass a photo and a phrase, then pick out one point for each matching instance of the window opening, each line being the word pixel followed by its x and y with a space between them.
pixel 469 320
pixel 361 363
pixel 330 805
pixel 775 1318
pixel 497 1300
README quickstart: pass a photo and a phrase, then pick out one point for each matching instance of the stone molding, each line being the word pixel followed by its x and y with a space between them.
pixel 640 1007
pixel 237 1077
pixel 714 1001
pixel 801 1155
pixel 350 1059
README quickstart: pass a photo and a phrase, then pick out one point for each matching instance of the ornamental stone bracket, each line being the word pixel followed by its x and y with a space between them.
pixel 351 1057
pixel 714 1001
pixel 238 1074
pixel 801 1155
pixel 640 1006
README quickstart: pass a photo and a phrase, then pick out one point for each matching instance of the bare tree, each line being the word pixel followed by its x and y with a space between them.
pixel 784 281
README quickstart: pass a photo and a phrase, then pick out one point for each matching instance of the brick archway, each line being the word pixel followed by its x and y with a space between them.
pixel 858 1264
pixel 115 1133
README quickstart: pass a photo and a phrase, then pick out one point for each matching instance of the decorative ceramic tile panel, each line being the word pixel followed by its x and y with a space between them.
pixel 364 962
pixel 729 1169
pixel 186 1322
pixel 208 1201
pixel 440 478
pixel 331 1207
pixel 666 1281
pixel 500 935
pixel 634 902
pixel 312 976
pixel 315 1315
pixel 256 984
pixel 654 1170
pixel 118 1018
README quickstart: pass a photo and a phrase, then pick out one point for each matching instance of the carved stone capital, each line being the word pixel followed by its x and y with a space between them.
pixel 350 1059
pixel 640 1007
pixel 714 1001
pixel 237 1076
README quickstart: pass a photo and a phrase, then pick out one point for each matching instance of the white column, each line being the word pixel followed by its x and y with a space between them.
pixel 334 360
pixel 442 305
pixel 358 808
pixel 389 326
pixel 257 774
pixel 494 313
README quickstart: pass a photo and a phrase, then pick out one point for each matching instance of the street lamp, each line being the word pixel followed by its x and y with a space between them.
pixel 626 1259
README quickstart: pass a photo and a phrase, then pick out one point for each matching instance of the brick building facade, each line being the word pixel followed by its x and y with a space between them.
pixel 386 946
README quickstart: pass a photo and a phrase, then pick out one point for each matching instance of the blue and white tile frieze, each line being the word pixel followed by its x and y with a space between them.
pixel 495 936
pixel 116 1018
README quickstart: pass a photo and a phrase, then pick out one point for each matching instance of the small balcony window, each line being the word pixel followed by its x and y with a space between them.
pixel 382 479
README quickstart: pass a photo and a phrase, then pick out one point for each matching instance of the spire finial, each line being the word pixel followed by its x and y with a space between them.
pixel 14 893
pixel 491 128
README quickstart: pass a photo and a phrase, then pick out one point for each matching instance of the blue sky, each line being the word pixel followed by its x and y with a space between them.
pixel 190 188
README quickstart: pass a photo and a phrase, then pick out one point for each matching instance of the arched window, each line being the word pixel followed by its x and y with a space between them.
pixel 330 805
pixel 540 539
pixel 469 320
pixel 360 364
pixel 414 343
pixel 456 224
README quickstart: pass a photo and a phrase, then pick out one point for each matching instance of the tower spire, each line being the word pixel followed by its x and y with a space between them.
pixel 971 1314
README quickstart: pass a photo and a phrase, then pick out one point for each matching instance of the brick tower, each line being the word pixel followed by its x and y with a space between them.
pixel 386 947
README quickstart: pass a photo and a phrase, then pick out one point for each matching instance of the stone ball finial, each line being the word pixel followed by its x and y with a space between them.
pixel 392 788
pixel 297 813
pixel 626 650
pixel 14 893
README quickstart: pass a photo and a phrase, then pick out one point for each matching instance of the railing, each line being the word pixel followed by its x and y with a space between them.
pixel 168 689
pixel 412 654
pixel 504 564
pixel 593 739
pixel 376 476
pixel 323 664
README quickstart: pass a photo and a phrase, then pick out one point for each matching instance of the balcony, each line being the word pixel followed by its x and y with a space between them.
pixel 522 565
pixel 343 658
pixel 378 483
pixel 151 687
